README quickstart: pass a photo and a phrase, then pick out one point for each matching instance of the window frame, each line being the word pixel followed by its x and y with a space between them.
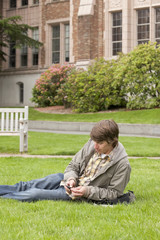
pixel 63 43
pixel 118 33
pixel 56 44
pixel 143 25
pixel 24 56
pixel 35 51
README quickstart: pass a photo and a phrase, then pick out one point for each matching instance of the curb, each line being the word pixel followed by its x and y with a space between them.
pixel 149 130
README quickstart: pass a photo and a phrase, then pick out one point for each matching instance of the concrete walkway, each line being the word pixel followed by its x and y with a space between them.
pixel 57 156
pixel 143 130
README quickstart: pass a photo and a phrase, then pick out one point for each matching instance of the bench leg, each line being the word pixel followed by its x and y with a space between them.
pixel 26 142
pixel 23 136
pixel 21 146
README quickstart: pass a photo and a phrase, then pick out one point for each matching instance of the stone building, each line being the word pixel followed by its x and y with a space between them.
pixel 74 31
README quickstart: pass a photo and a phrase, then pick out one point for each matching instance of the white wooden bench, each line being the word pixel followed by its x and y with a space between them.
pixel 14 122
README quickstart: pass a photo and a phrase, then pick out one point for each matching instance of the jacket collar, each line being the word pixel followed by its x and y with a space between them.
pixel 117 154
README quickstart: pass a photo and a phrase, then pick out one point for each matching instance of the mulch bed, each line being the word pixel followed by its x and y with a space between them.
pixel 55 109
pixel 63 110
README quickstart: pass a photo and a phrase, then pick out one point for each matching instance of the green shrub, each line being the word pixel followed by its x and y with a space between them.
pixel 139 74
pixel 45 90
pixel 93 90
pixel 132 81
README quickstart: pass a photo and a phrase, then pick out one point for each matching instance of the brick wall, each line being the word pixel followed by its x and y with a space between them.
pixel 84 37
pixel 55 10
pixel 88 33
pixel 97 28
pixel 75 28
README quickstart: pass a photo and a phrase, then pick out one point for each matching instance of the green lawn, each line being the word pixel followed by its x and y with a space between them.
pixel 48 220
pixel 151 116
pixel 68 144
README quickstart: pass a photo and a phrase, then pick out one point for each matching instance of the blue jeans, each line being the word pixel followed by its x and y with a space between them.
pixel 47 188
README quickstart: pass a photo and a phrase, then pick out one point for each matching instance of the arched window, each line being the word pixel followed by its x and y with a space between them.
pixel 21 92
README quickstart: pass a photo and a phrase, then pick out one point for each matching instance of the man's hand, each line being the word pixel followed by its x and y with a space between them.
pixel 71 183
pixel 79 191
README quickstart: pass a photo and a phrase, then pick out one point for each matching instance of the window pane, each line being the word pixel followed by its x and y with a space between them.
pixel 158 41
pixel 21 91
pixel 12 49
pixel 157 30
pixel 12 3
pixel 35 50
pixel 35 59
pixel 67 43
pixel 12 55
pixel 24 60
pixel 117 48
pixel 116 32
pixel 24 2
pixel 158 15
pixel 143 16
pixel 56 57
pixel 143 27
pixel 35 34
pixel 56 44
pixel 35 55
pixel 24 49
pixel 143 32
pixel 117 19
pixel 35 1
pixel 24 55
pixel 12 62
pixel 67 31
pixel 157 26
pixel 67 57
pixel 56 31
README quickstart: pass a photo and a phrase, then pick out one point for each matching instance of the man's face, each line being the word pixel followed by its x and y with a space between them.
pixel 103 147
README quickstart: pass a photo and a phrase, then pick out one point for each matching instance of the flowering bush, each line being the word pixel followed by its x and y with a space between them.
pixel 46 87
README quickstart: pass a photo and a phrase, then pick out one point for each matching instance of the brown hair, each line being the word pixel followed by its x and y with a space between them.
pixel 105 130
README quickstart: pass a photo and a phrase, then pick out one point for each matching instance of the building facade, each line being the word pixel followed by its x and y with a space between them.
pixel 73 31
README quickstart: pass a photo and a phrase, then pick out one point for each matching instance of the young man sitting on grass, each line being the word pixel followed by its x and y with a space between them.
pixel 99 172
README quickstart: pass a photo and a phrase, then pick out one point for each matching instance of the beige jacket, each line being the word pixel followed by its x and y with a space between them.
pixel 110 182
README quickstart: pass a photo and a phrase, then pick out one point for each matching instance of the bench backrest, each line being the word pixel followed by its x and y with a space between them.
pixel 10 118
